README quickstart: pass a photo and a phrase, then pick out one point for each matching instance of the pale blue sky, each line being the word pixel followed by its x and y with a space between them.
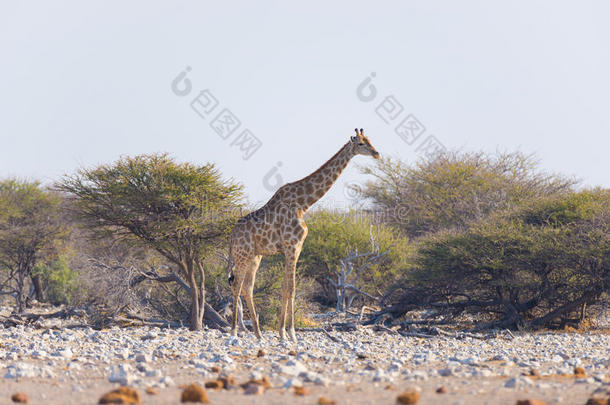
pixel 82 83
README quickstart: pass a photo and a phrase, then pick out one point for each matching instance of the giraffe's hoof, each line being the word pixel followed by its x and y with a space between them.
pixel 293 335
pixel 282 334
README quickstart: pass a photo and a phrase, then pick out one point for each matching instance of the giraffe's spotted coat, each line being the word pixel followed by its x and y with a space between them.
pixel 278 227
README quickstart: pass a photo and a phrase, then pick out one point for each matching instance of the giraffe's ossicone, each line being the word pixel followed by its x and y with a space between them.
pixel 278 227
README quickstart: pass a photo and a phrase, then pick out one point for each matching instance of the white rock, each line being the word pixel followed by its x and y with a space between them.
pixel 64 353
pixel 122 374
pixel 19 370
pixel 143 358
pixel 167 381
pixel 445 372
pixel 293 368
pixel 320 380
pixel 518 382
pixel 293 382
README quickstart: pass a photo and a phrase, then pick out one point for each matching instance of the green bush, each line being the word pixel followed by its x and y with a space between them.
pixel 59 279
pixel 533 265
pixel 332 235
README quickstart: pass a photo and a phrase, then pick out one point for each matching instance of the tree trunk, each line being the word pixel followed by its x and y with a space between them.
pixel 195 316
pixel 20 296
pixel 37 283
pixel 201 292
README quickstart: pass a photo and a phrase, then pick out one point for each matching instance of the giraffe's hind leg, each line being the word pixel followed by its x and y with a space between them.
pixel 238 281
pixel 248 291
pixel 289 292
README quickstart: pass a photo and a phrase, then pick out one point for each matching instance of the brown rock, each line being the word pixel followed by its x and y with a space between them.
pixel 326 401
pixel 441 390
pixel 597 401
pixel 215 384
pixel 534 373
pixel 301 391
pixel 194 393
pixel 261 353
pixel 122 395
pixel 263 382
pixel 21 398
pixel 389 387
pixel 254 389
pixel 530 402
pixel 215 369
pixel 409 397
pixel 227 381
pixel 292 353
pixel 579 372
pixel 151 391
pixel 600 396
pixel 361 356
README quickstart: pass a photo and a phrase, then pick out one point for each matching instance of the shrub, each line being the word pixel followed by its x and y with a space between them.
pixel 456 189
pixel 532 266
pixel 333 235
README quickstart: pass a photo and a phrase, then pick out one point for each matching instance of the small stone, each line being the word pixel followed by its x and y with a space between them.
pixel 292 353
pixel 263 382
pixel 597 401
pixel 530 402
pixel 518 382
pixel 301 391
pixel 293 382
pixel 254 389
pixel 445 372
pixel 534 373
pixel 214 384
pixel 261 353
pixel 410 397
pixel 600 396
pixel 227 381
pixel 151 391
pixel 167 381
pixel 143 358
pixel 121 374
pixel 122 395
pixel 323 381
pixel 64 353
pixel 215 369
pixel 441 390
pixel 380 375
pixel 389 387
pixel 579 372
pixel 326 401
pixel 194 393
pixel 20 398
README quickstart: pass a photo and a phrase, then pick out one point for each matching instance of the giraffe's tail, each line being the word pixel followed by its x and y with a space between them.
pixel 230 265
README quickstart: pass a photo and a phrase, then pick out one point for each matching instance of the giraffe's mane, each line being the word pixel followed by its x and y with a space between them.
pixel 324 165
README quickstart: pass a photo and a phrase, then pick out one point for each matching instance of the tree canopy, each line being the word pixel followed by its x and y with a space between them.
pixel 30 229
pixel 181 210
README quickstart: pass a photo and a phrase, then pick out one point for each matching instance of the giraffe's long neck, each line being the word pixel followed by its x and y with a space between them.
pixel 319 182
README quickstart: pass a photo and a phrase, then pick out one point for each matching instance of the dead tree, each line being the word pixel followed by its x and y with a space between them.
pixel 349 271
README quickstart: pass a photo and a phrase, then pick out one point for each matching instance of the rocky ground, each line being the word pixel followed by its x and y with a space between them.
pixel 78 365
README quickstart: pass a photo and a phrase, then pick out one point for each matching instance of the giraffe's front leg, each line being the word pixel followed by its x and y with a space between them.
pixel 285 298
pixel 289 289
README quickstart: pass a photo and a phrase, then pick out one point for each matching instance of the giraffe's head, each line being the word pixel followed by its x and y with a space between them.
pixel 362 146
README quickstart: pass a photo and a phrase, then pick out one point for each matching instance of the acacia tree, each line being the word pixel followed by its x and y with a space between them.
pixel 456 189
pixel 181 210
pixel 30 229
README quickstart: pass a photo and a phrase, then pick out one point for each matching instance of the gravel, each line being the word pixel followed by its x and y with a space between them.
pixel 152 357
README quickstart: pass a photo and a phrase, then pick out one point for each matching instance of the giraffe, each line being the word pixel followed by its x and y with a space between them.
pixel 278 227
